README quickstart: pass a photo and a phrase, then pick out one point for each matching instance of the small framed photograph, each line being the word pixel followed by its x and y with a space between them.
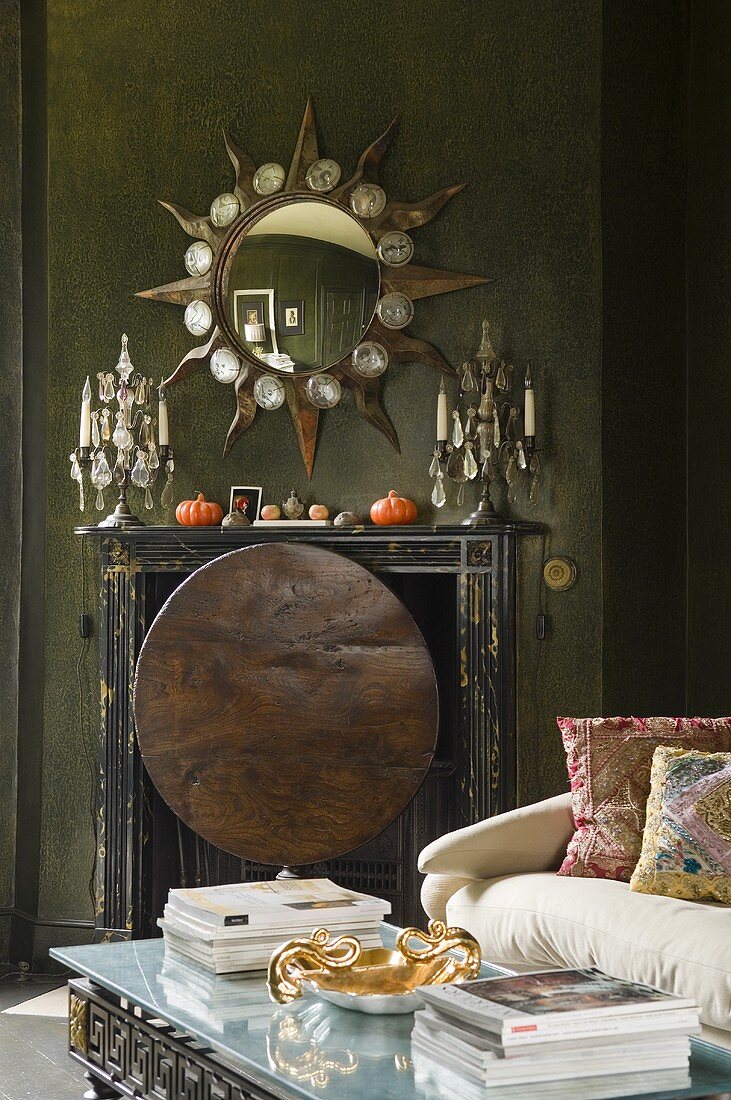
pixel 247 500
pixel 292 318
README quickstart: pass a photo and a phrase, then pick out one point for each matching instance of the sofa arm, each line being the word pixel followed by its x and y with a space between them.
pixel 436 890
pixel 533 838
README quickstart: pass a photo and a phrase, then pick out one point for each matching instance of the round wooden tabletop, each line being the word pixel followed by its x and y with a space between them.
pixel 285 703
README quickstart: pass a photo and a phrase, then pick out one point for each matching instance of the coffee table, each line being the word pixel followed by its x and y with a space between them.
pixel 146 1025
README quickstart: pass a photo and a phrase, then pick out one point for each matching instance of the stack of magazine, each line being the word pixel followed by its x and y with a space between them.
pixel 229 929
pixel 538 1028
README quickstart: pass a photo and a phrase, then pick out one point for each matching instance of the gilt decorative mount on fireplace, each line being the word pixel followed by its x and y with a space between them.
pixel 303 284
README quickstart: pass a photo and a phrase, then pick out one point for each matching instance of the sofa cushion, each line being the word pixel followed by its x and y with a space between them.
pixel 540 919
pixel 609 761
pixel 686 846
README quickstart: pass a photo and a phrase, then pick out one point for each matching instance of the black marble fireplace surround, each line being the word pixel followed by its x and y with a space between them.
pixel 460 586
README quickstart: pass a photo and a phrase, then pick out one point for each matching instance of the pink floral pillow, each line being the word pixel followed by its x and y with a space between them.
pixel 609 762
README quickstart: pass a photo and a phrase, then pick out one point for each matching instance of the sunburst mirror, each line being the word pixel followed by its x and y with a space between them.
pixel 302 284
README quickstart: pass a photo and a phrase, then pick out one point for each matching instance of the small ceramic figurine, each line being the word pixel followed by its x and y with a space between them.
pixel 271 511
pixel 348 519
pixel 319 511
pixel 293 506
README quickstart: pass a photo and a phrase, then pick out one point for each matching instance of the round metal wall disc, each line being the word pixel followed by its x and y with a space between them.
pixel 286 704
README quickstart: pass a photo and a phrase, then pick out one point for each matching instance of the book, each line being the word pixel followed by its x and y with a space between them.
pixel 277 902
pixel 553 1004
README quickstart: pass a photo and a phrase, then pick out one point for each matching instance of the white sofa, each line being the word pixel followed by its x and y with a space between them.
pixel 498 880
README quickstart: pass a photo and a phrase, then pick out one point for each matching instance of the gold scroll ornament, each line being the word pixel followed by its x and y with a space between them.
pixel 341 965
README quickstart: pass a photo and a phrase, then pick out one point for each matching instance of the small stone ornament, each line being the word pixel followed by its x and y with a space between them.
pixel 235 519
pixel 271 511
pixel 319 511
pixel 293 506
pixel 348 519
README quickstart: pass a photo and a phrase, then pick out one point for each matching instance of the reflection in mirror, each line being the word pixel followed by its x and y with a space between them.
pixel 301 286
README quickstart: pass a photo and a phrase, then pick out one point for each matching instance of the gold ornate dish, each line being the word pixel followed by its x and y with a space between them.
pixel 375 980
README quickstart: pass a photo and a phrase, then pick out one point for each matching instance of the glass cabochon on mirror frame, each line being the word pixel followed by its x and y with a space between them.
pixel 296 286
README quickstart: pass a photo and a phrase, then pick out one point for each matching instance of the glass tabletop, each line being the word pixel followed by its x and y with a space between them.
pixel 313 1049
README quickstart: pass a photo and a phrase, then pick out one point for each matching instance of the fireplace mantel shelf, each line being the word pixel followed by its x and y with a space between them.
pixel 174 532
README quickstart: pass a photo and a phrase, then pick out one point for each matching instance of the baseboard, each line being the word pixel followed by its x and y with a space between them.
pixel 30 937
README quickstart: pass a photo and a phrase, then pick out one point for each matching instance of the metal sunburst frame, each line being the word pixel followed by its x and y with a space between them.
pixel 413 281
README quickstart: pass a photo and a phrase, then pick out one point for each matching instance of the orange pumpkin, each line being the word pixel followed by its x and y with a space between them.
pixel 393 509
pixel 199 512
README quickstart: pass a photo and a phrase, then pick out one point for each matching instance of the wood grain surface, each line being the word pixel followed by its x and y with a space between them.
pixel 285 704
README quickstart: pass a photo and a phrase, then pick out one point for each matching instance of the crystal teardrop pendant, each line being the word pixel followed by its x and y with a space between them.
pixel 511 429
pixel 153 460
pixel 99 500
pixel 468 384
pixel 460 493
pixel 101 380
pixel 141 392
pixel 455 465
pixel 434 468
pixel 438 496
pixel 470 465
pixel 496 439
pixel 457 432
pixel 166 497
pixel 501 378
pixel 522 463
pixel 75 468
pixel 148 499
pixel 511 472
pixel 535 469
pixel 145 431
pixel 108 388
pixel 82 501
pixel 106 425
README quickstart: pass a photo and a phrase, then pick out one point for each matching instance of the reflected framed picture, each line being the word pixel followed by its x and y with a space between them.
pixel 291 317
pixel 254 318
pixel 247 500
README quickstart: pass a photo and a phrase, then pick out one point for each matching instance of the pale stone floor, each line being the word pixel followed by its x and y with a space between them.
pixel 34 1063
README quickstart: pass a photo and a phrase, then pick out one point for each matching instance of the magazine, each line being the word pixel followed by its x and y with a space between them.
pixel 278 902
pixel 553 1003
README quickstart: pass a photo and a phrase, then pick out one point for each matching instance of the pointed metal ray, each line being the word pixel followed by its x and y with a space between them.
pixel 405 349
pixel 245 410
pixel 304 417
pixel 305 152
pixel 367 394
pixel 194 224
pixel 367 168
pixel 181 291
pixel 410 215
pixel 423 282
pixel 244 168
pixel 196 359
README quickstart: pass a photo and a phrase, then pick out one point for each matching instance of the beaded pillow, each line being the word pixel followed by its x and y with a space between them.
pixel 609 761
pixel 686 846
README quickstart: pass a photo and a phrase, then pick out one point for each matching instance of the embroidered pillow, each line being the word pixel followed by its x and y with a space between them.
pixel 686 845
pixel 609 761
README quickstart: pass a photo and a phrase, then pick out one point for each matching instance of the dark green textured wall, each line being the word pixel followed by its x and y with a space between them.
pixel 502 95
pixel 11 394
pixel 644 165
pixel 709 381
